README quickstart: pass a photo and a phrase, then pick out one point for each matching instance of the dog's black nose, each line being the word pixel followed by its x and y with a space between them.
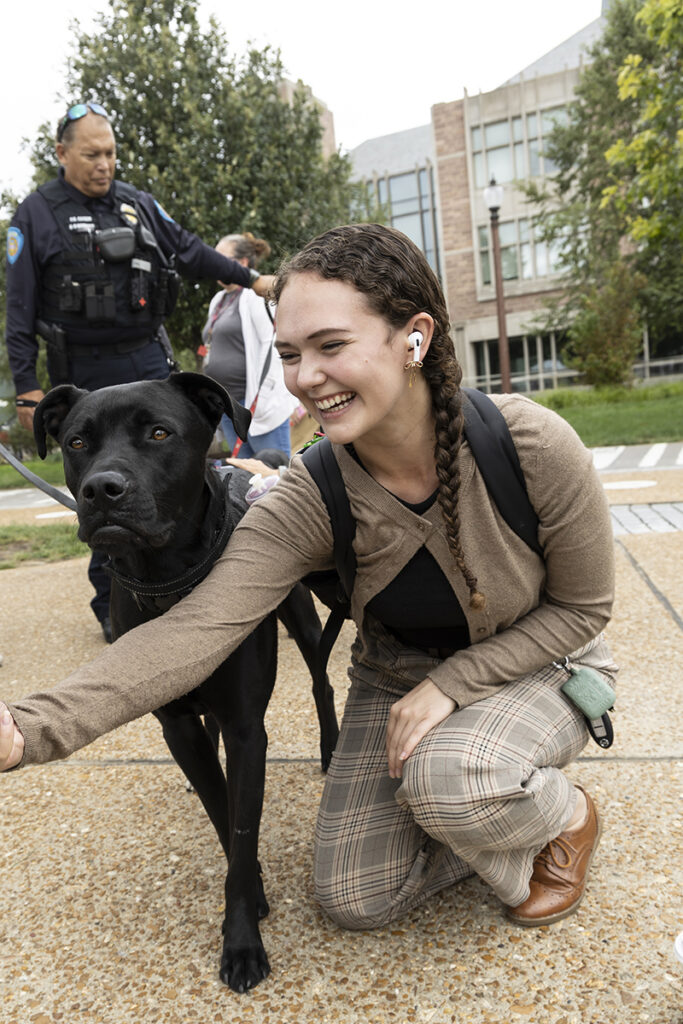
pixel 104 488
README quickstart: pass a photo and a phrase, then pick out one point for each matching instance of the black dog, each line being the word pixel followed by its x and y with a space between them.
pixel 134 459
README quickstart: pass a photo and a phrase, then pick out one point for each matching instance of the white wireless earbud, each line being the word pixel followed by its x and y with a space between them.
pixel 415 341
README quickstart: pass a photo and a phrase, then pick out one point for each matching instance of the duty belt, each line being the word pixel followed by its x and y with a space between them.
pixel 118 347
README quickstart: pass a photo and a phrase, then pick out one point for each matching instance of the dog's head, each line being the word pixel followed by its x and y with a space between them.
pixel 135 454
pixel 209 397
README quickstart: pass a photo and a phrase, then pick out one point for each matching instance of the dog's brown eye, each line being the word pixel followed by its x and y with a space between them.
pixel 76 443
pixel 159 434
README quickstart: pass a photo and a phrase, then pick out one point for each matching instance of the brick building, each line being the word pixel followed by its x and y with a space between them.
pixel 430 183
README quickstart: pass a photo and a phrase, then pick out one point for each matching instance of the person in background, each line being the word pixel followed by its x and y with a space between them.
pixel 92 268
pixel 238 345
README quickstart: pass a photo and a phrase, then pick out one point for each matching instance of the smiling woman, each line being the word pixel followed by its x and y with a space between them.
pixel 456 730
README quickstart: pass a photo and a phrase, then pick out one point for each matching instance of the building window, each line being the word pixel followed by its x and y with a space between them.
pixel 501 151
pixel 535 363
pixel 409 204
pixel 523 255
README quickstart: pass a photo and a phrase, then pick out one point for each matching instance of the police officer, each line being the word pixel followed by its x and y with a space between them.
pixel 92 266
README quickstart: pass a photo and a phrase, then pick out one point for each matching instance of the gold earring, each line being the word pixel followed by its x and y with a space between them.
pixel 414 364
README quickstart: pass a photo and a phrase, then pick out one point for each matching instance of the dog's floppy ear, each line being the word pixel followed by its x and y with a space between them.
pixel 212 400
pixel 52 411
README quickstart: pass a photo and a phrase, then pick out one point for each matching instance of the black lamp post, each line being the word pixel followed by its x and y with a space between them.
pixel 493 197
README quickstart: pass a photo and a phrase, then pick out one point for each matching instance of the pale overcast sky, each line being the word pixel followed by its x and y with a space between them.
pixel 379 66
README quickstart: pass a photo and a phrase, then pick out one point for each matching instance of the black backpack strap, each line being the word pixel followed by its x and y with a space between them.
pixel 321 464
pixel 494 452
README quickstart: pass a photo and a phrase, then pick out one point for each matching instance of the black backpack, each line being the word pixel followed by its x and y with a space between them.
pixel 496 456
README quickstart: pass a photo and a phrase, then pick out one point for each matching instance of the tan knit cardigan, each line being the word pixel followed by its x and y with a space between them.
pixel 537 609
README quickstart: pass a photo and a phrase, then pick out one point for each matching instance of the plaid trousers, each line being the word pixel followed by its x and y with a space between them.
pixel 481 793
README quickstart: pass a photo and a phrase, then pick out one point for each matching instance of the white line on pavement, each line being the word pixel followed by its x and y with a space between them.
pixel 652 457
pixel 604 457
pixel 628 485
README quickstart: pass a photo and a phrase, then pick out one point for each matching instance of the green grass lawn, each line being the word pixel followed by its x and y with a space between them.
pixel 51 470
pixel 642 415
pixel 53 542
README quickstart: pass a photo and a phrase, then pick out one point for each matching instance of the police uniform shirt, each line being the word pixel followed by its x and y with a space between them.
pixel 34 239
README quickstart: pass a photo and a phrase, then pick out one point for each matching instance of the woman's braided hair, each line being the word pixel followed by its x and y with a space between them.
pixel 385 266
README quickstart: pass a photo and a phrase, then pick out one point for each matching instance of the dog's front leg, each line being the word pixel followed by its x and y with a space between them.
pixel 244 961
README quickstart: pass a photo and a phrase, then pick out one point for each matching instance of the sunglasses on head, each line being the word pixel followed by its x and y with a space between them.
pixel 78 111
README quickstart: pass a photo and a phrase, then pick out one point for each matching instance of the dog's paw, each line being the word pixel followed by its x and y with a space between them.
pixel 243 969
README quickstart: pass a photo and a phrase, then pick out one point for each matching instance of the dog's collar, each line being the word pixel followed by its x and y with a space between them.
pixel 182 585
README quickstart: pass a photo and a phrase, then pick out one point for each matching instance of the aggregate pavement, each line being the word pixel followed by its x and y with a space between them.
pixel 112 877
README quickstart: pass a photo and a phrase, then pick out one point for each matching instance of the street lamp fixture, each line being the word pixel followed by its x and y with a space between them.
pixel 493 197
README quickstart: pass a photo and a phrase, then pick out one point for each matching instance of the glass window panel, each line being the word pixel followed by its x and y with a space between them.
pixel 507 233
pixel 494 361
pixel 410 226
pixel 525 260
pixel 497 134
pixel 547 350
pixel 520 168
pixel 479 171
pixel 554 257
pixel 402 187
pixel 549 166
pixel 500 165
pixel 382 189
pixel 517 133
pixel 523 226
pixel 485 267
pixel 483 238
pixel 399 208
pixel 476 139
pixel 549 118
pixel 516 347
pixel 531 126
pixel 480 358
pixel 424 184
pixel 533 355
pixel 508 262
pixel 541 250
pixel 534 162
pixel 427 231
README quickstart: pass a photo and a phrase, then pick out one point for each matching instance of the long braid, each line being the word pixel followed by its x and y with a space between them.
pixel 397 282
pixel 449 422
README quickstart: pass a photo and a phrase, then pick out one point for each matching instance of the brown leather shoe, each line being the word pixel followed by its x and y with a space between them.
pixel 560 871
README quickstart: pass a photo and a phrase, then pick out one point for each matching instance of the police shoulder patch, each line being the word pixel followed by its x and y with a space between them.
pixel 162 213
pixel 15 243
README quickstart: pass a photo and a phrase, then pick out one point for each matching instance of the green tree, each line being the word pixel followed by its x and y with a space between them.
pixel 646 164
pixel 589 236
pixel 207 133
pixel 606 329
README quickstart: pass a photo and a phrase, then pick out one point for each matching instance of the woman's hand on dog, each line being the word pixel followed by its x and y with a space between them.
pixel 11 740
pixel 411 718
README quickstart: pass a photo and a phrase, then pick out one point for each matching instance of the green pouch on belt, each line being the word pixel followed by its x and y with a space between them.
pixel 589 692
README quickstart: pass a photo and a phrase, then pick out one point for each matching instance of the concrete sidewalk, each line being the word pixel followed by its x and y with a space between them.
pixel 112 877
